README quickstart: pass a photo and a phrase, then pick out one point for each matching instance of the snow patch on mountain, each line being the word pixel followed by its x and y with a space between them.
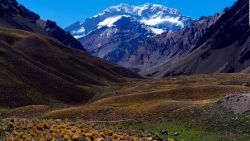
pixel 79 36
pixel 160 20
pixel 110 21
pixel 79 33
pixel 107 33
pixel 156 31
pixel 143 10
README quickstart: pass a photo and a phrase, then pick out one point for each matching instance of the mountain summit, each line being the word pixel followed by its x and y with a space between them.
pixel 117 32
pixel 156 18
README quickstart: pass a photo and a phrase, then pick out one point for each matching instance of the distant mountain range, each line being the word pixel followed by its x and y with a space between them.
pixel 154 40
pixel 116 32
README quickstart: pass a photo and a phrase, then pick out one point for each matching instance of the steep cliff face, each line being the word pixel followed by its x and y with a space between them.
pixel 14 15
pixel 223 48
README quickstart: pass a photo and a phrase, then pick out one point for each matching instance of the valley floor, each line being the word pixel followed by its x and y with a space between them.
pixel 190 108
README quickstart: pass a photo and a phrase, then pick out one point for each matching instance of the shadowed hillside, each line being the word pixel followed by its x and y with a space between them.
pixel 38 67
pixel 39 70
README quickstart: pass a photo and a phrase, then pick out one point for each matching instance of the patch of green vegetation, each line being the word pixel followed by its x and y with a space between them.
pixel 218 120
pixel 185 133
pixel 3 110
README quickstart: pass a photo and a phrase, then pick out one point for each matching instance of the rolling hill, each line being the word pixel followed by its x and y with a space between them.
pixel 197 107
pixel 43 64
pixel 37 69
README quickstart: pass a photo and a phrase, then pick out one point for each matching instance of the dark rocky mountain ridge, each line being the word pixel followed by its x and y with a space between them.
pixel 169 45
pixel 14 15
pixel 223 48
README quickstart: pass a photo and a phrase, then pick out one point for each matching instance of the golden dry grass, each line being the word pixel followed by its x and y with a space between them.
pixel 149 101
pixel 54 130
pixel 141 98
pixel 27 111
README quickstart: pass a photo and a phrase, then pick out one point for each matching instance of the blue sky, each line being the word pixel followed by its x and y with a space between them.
pixel 66 12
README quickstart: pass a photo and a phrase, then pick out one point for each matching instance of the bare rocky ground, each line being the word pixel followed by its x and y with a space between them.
pixel 238 103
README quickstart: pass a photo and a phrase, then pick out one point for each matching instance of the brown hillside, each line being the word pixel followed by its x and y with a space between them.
pixel 39 70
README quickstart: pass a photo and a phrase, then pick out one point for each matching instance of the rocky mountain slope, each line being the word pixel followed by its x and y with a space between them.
pixel 116 42
pixel 38 69
pixel 223 48
pixel 118 31
pixel 14 15
pixel 168 46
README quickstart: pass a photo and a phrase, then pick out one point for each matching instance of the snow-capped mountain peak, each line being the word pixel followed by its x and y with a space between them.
pixel 147 8
pixel 153 16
